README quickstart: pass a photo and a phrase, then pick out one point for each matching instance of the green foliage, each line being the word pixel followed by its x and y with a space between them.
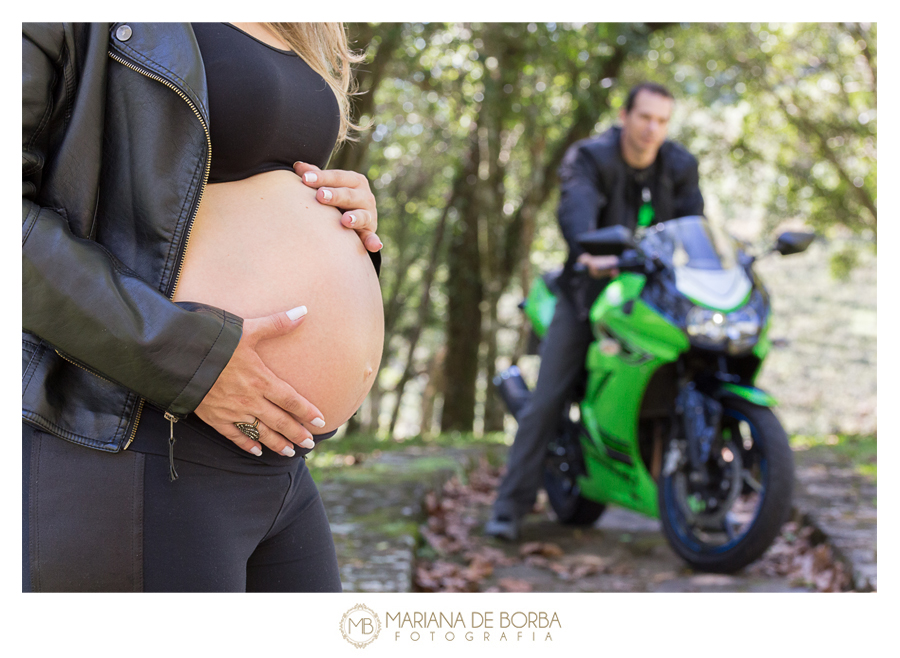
pixel 474 118
pixel 793 109
pixel 843 261
pixel 857 452
pixel 363 444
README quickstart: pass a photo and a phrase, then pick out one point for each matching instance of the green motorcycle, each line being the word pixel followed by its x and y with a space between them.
pixel 668 422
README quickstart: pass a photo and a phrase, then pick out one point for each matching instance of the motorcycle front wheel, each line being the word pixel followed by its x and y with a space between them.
pixel 725 520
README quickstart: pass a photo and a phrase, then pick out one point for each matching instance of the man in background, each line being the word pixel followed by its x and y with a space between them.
pixel 630 175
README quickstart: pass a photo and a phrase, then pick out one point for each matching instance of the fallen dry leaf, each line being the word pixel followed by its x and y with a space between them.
pixel 479 570
pixel 795 555
pixel 537 561
pixel 489 554
pixel 515 585
pixel 541 548
pixel 582 570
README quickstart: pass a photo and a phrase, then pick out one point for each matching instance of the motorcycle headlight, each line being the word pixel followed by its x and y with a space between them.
pixel 706 327
pixel 737 331
pixel 742 329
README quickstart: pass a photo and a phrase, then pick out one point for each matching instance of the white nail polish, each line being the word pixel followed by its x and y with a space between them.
pixel 310 177
pixel 327 194
pixel 256 451
pixel 288 451
pixel 352 219
pixel 296 313
pixel 308 443
pixel 318 422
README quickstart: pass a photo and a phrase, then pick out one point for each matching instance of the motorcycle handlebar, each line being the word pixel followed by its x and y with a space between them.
pixel 631 261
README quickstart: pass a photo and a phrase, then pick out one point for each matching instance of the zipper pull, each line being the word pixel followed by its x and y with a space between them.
pixel 645 212
pixel 173 475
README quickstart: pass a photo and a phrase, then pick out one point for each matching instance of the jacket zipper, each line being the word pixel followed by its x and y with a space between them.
pixel 173 475
pixel 85 368
pixel 97 374
pixel 171 418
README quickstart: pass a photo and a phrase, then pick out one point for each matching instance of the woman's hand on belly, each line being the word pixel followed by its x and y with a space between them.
pixel 349 192
pixel 247 389
pixel 264 244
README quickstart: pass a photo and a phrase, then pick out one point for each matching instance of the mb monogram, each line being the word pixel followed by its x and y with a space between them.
pixel 360 626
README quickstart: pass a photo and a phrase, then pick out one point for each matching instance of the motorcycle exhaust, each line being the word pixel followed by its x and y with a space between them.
pixel 513 390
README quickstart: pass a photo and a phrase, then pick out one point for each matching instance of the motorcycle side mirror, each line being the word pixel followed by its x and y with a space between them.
pixel 793 242
pixel 608 241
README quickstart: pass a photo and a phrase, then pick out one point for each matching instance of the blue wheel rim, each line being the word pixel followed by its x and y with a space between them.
pixel 675 515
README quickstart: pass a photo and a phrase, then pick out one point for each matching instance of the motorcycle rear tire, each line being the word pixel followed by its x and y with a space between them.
pixel 570 506
pixel 774 509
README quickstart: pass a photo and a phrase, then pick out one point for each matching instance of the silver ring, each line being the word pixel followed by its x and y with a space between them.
pixel 250 429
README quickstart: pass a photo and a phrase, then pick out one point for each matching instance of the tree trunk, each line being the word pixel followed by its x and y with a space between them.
pixel 434 389
pixel 494 408
pixel 371 425
pixel 465 292
pixel 424 303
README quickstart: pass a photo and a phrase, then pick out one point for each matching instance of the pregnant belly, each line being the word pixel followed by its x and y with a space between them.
pixel 264 245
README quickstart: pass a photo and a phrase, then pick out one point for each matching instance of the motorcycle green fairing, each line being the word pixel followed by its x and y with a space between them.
pixel 632 342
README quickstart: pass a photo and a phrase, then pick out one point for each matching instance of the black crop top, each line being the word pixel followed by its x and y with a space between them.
pixel 267 107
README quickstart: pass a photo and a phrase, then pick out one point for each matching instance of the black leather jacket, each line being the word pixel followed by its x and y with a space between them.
pixel 593 191
pixel 115 157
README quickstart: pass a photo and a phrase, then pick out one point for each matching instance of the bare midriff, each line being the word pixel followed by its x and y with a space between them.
pixel 263 245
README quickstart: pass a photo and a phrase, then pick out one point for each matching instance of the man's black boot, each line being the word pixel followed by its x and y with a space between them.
pixel 503 527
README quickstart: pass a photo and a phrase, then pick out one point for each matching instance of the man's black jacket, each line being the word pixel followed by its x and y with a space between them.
pixel 593 190
pixel 115 155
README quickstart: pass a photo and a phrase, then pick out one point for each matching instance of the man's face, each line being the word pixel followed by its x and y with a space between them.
pixel 644 129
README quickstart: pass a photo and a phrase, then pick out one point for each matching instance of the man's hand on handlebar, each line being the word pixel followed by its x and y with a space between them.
pixel 600 267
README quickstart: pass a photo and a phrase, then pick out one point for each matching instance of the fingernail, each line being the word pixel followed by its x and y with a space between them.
pixel 288 451
pixel 310 177
pixel 318 422
pixel 308 444
pixel 380 245
pixel 256 451
pixel 296 313
pixel 352 219
pixel 326 194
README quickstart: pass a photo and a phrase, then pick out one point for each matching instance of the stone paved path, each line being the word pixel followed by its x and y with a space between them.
pixel 841 504
pixel 376 510
pixel 633 557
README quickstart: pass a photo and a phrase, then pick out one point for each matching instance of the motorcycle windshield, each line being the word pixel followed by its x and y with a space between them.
pixel 704 260
pixel 691 242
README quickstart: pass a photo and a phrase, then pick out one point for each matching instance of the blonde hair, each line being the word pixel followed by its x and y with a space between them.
pixel 324 47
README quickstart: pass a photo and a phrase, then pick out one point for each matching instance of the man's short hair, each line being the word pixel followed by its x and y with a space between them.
pixel 652 87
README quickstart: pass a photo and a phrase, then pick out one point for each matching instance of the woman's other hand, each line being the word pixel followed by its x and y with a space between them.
pixel 247 389
pixel 349 192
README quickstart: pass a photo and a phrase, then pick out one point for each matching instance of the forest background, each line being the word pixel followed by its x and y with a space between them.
pixel 468 125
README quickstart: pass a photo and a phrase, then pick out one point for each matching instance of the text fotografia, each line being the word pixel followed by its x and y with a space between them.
pixel 480 626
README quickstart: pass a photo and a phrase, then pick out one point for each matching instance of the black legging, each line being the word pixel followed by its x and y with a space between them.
pixel 95 521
